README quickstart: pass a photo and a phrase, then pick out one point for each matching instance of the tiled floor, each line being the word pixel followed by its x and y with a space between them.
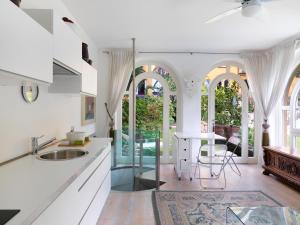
pixel 135 208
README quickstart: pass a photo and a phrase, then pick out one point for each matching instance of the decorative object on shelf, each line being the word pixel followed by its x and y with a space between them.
pixel 85 52
pixel 16 2
pixel 111 132
pixel 88 109
pixel 30 92
pixel 191 86
pixel 67 20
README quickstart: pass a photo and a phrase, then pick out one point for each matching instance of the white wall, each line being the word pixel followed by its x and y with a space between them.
pixel 52 114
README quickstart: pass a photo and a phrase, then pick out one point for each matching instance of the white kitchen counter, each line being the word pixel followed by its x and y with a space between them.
pixel 31 185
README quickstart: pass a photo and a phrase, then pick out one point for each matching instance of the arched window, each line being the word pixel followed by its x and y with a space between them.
pixel 291 112
pixel 228 108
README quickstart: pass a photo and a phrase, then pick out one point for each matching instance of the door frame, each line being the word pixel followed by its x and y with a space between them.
pixel 294 132
pixel 245 110
pixel 166 106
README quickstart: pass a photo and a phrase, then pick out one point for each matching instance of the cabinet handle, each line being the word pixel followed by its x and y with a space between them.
pixel 185 160
pixel 185 149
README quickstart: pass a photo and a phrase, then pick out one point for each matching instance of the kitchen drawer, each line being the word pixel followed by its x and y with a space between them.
pixel 184 143
pixel 184 153
pixel 184 164
pixel 90 186
pixel 94 210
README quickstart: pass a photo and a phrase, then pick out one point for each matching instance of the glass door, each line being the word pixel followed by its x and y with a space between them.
pixel 228 102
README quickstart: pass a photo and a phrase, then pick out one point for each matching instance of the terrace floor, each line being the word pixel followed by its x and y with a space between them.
pixel 135 208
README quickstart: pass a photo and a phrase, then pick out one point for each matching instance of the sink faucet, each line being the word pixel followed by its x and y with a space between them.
pixel 36 147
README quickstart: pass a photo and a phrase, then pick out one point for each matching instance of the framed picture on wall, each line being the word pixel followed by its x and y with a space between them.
pixel 88 109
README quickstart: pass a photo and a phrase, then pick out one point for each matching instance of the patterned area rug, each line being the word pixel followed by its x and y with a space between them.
pixel 203 207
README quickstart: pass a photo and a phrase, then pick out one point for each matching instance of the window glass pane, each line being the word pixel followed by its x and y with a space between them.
pixel 166 75
pixel 234 69
pixel 298 144
pixel 297 112
pixel 125 126
pixel 251 127
pixel 286 127
pixel 172 119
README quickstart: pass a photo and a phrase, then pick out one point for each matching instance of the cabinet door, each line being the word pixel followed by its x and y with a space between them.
pixel 92 214
pixel 25 46
pixel 67 45
pixel 89 79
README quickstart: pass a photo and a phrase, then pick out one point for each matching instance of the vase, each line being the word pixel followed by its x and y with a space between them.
pixel 16 2
pixel 111 134
pixel 85 52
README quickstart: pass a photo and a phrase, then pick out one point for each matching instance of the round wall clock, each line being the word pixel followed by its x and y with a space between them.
pixel 30 92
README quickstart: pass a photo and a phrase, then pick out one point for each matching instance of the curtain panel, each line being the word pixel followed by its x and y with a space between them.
pixel 268 74
pixel 120 71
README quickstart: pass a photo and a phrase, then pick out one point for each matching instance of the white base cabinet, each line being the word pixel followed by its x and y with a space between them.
pixel 83 200
pixel 26 48
pixel 92 214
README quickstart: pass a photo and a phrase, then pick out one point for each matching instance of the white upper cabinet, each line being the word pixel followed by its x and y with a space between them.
pixel 67 45
pixel 89 79
pixel 26 48
pixel 85 83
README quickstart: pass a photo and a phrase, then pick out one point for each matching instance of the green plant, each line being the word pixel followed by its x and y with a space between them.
pixel 227 105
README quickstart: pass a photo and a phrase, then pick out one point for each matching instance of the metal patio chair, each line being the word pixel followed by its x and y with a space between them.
pixel 217 155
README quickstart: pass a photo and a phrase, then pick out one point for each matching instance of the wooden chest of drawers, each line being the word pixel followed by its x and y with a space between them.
pixel 281 162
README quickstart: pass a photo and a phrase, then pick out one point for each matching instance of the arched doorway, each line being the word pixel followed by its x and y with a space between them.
pixel 156 89
pixel 227 107
pixel 234 120
pixel 165 95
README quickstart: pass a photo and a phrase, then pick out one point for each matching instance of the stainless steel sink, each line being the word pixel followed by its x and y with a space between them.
pixel 63 154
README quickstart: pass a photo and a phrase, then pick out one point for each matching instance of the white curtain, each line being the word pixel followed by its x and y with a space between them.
pixel 268 74
pixel 120 71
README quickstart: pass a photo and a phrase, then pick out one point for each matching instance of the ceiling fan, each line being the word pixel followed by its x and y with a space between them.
pixel 248 8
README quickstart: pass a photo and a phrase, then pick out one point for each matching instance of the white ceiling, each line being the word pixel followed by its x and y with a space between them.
pixel 178 25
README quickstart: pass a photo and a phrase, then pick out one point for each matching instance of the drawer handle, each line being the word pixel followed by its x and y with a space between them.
pixel 185 160
pixel 185 149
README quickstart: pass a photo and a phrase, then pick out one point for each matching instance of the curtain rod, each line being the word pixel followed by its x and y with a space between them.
pixel 183 52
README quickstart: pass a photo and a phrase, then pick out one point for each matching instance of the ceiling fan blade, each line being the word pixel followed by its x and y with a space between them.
pixel 224 14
